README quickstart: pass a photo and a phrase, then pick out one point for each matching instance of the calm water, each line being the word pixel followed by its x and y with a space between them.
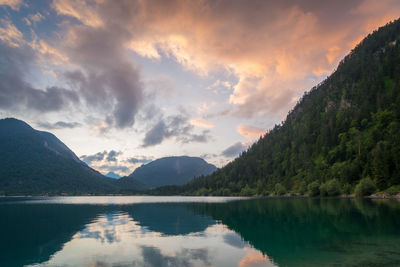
pixel 182 231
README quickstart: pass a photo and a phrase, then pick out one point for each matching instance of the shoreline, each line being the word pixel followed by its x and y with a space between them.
pixel 289 195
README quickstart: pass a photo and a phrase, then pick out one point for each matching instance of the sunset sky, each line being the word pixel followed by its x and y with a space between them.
pixel 124 82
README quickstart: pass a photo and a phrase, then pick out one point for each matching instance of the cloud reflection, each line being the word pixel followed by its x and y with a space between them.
pixel 115 239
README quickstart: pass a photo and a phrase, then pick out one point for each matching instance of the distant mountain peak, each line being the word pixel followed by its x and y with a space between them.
pixel 172 170
pixel 113 175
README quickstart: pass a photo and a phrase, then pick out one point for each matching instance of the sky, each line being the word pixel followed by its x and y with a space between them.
pixel 122 83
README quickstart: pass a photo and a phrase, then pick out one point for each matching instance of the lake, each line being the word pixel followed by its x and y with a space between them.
pixel 198 231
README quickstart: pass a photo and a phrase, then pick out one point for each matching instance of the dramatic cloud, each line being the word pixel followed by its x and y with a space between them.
pixel 58 125
pixel 16 93
pixel 178 127
pixel 109 81
pixel 98 68
pixel 113 64
pixel 250 132
pixel 273 48
pixel 234 150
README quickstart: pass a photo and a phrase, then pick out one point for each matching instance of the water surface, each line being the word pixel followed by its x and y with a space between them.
pixel 200 231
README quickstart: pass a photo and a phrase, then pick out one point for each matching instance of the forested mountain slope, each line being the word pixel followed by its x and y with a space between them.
pixel 36 162
pixel 345 129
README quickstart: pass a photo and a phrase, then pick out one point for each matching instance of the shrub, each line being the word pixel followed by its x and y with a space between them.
pixel 246 191
pixel 393 190
pixel 202 192
pixel 303 188
pixel 226 192
pixel 323 190
pixel 365 187
pixel 313 189
pixel 280 189
pixel 346 189
pixel 332 187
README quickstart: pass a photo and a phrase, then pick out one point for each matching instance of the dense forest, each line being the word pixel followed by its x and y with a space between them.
pixel 343 136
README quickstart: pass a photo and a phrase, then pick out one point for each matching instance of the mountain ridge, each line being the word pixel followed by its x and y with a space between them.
pixel 174 170
pixel 341 135
pixel 37 162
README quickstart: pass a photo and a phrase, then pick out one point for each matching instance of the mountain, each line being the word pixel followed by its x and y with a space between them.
pixel 35 162
pixel 112 175
pixel 343 132
pixel 171 171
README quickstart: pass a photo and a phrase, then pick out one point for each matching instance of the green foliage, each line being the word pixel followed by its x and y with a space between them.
pixel 365 187
pixel 323 190
pixel 333 187
pixel 246 191
pixel 346 189
pixel 302 187
pixel 280 189
pixel 313 189
pixel 393 190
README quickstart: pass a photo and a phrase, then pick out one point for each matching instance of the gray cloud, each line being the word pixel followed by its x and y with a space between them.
pixel 234 150
pixel 208 156
pixel 174 126
pixel 115 168
pixel 141 159
pixel 112 155
pixel 105 79
pixel 16 93
pixel 58 125
pixel 108 80
pixel 88 159
pixel 234 240
pixel 152 256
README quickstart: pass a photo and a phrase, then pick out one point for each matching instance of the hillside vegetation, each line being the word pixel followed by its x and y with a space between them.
pixel 343 136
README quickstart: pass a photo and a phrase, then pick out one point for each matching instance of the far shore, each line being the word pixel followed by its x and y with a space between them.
pixel 288 195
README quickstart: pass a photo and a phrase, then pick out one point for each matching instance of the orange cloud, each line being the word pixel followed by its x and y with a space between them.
pixel 53 55
pixel 271 47
pixel 81 10
pixel 202 123
pixel 10 34
pixel 250 132
pixel 253 259
pixel 14 4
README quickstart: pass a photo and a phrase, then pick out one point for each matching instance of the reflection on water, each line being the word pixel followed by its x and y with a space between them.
pixel 217 232
pixel 117 240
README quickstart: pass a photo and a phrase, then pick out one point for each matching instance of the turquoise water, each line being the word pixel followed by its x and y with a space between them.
pixel 201 231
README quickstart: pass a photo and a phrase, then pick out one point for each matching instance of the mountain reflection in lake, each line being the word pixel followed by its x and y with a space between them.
pixel 188 232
